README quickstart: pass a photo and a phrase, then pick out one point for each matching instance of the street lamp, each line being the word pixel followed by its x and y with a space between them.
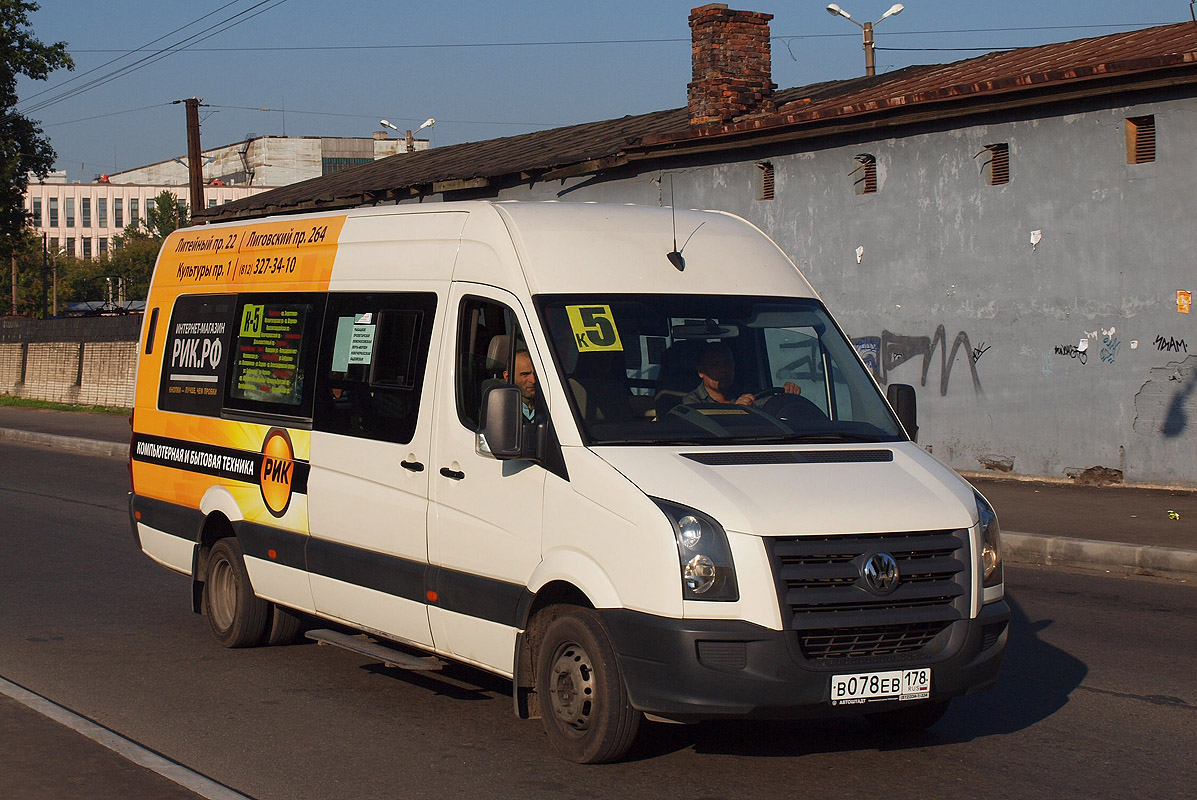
pixel 835 11
pixel 411 143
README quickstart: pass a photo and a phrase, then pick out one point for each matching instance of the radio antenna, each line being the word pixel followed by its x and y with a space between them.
pixel 674 255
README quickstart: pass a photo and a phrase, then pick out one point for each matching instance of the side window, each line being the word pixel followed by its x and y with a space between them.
pixel 372 361
pixel 487 339
pixel 194 362
pixel 274 347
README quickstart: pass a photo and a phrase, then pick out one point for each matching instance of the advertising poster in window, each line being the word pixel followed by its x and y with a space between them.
pixel 267 368
pixel 196 357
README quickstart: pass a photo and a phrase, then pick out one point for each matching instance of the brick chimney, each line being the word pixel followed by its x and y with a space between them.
pixel 731 64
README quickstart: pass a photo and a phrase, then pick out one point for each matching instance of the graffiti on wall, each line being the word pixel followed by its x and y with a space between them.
pixel 885 353
pixel 1072 351
pixel 1110 345
pixel 1171 344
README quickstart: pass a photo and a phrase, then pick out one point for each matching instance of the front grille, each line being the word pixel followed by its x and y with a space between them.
pixel 827 602
pixel 872 643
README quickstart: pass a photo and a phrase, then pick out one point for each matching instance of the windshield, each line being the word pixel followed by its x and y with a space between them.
pixel 680 369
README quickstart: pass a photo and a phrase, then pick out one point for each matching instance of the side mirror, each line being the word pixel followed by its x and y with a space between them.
pixel 502 422
pixel 901 399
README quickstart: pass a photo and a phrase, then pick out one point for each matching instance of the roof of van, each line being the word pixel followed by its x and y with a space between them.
pixel 594 248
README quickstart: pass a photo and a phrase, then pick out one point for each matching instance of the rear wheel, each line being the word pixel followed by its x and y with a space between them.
pixel 284 626
pixel 583 700
pixel 238 617
pixel 908 720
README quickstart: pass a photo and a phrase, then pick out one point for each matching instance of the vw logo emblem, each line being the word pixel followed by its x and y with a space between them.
pixel 881 573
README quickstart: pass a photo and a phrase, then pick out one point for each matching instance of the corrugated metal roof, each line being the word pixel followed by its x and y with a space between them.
pixel 1107 62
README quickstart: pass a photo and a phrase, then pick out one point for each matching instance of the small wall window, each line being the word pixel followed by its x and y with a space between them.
pixel 766 180
pixel 865 174
pixel 995 168
pixel 1140 139
pixel 37 212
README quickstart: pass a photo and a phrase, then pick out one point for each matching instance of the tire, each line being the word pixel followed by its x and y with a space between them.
pixel 909 720
pixel 583 700
pixel 284 626
pixel 238 617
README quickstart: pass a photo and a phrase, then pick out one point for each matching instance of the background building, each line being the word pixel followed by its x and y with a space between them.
pixel 1011 234
pixel 273 160
pixel 81 219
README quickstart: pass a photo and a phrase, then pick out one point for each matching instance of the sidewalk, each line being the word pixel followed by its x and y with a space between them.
pixel 1108 528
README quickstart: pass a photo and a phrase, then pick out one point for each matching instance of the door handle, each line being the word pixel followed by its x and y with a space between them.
pixel 452 473
pixel 414 466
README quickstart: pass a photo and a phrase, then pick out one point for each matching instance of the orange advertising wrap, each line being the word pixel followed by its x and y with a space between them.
pixel 179 458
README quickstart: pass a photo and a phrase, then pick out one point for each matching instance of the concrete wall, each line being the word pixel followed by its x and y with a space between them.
pixel 950 295
pixel 88 361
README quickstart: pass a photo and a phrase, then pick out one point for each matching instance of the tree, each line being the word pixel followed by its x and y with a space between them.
pixel 23 148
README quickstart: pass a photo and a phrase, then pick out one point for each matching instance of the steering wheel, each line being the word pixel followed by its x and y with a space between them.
pixel 789 407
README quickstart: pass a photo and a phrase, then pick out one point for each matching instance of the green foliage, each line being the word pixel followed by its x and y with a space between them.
pixel 23 149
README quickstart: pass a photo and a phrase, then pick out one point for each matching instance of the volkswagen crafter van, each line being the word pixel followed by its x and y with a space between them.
pixel 490 433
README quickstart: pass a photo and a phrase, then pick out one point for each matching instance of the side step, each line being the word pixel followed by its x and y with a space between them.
pixel 366 647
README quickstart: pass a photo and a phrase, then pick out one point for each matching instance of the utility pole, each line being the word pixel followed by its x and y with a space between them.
pixel 45 275
pixel 195 167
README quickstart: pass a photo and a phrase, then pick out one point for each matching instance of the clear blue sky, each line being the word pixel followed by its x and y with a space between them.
pixel 482 69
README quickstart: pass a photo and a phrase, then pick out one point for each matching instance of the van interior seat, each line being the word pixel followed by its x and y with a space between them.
pixel 678 375
pixel 599 383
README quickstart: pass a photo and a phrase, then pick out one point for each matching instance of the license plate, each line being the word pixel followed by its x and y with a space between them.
pixel 873 687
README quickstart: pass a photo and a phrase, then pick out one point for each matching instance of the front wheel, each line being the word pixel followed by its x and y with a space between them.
pixel 584 703
pixel 237 616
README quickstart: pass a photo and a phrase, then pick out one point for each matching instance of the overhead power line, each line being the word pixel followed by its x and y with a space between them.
pixel 193 39
pixel 582 42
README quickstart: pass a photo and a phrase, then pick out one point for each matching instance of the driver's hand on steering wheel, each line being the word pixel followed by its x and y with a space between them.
pixel 792 388
pixel 746 399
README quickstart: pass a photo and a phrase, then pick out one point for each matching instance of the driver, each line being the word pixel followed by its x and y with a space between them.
pixel 717 373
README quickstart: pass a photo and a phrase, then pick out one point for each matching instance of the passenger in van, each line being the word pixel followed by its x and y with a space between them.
pixel 525 379
pixel 717 374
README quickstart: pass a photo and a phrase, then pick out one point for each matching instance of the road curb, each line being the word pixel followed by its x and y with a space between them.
pixel 91 446
pixel 1034 548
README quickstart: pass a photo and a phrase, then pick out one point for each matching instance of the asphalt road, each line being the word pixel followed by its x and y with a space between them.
pixel 1097 697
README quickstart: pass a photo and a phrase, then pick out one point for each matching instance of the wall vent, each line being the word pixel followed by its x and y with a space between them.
pixel 766 186
pixel 1140 139
pixel 865 174
pixel 996 168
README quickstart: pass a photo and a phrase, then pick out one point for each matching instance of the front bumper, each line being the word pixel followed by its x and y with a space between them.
pixel 687 670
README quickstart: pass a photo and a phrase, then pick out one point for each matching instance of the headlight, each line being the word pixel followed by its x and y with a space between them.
pixel 991 544
pixel 704 555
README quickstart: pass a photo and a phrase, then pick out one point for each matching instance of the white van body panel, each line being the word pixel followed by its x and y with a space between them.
pixel 583 248
pixel 280 584
pixel 479 642
pixel 614 535
pixel 385 249
pixel 805 499
pixel 378 611
pixel 172 552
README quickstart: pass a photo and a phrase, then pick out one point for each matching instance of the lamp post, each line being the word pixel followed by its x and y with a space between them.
pixel 867 27
pixel 411 142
